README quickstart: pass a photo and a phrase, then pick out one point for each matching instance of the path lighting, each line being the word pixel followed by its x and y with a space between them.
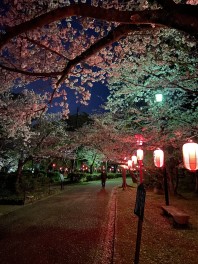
pixel 139 139
pixel 158 97
pixel 190 156
pixel 53 166
pixel 130 163
pixel 134 161
pixel 140 155
pixel 159 162
pixel 159 158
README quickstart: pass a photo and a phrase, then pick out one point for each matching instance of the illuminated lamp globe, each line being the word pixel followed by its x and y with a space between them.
pixel 190 156
pixel 129 163
pixel 140 154
pixel 158 155
pixel 134 159
pixel 158 97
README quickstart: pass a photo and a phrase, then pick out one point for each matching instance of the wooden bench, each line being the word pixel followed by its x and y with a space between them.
pixel 179 217
pixel 30 198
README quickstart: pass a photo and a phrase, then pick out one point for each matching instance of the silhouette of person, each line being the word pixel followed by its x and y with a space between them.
pixel 62 181
pixel 103 178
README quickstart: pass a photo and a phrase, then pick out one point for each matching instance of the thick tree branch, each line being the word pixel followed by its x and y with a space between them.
pixel 176 85
pixel 113 36
pixel 36 74
pixel 187 21
pixel 183 88
pixel 166 4
pixel 45 47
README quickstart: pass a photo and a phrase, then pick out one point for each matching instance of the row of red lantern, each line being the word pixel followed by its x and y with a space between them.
pixel 190 156
pixel 135 158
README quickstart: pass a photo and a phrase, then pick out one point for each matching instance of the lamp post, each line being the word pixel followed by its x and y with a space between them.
pixel 139 205
pixel 159 162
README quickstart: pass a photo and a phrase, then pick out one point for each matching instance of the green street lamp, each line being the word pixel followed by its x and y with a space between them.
pixel 159 97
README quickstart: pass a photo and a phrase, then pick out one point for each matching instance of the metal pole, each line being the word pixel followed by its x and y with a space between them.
pixel 138 241
pixel 141 174
pixel 166 187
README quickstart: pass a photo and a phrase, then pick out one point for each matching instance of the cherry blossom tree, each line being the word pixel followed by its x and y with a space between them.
pixel 104 137
pixel 92 157
pixel 167 124
pixel 17 112
pixel 134 46
pixel 47 138
pixel 69 44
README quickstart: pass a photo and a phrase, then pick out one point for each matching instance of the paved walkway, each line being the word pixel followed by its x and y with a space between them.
pixel 161 243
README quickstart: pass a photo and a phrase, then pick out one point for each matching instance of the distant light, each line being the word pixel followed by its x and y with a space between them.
pixel 129 163
pixel 158 97
pixel 139 139
pixel 134 159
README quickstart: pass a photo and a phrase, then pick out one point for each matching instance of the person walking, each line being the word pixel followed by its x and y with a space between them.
pixel 62 181
pixel 103 178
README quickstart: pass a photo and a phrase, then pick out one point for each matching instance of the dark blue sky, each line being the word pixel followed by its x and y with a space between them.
pixel 99 93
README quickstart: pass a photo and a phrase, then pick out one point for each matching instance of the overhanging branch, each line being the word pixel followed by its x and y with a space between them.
pixel 112 37
pixel 28 73
pixel 159 16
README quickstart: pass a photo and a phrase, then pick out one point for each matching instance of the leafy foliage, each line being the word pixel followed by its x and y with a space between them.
pixel 37 43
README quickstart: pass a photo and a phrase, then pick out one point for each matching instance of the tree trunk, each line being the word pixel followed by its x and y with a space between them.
pixel 91 166
pixel 73 165
pixel 177 181
pixel 170 182
pixel 19 169
pixel 21 163
pixel 91 169
pixel 134 179
pixel 196 182
pixel 18 175
pixel 124 179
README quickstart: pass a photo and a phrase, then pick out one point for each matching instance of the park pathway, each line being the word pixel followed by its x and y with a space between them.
pixel 75 226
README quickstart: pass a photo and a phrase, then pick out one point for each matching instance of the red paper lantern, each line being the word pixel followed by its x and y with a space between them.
pixel 190 156
pixel 158 158
pixel 140 154
pixel 134 160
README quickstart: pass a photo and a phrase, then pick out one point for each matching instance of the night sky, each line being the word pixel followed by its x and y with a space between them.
pixel 99 93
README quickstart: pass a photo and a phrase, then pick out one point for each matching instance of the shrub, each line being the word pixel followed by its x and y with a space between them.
pixel 92 177
pixel 76 176
pixel 7 183
pixel 54 176
pixel 116 175
pixel 41 173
